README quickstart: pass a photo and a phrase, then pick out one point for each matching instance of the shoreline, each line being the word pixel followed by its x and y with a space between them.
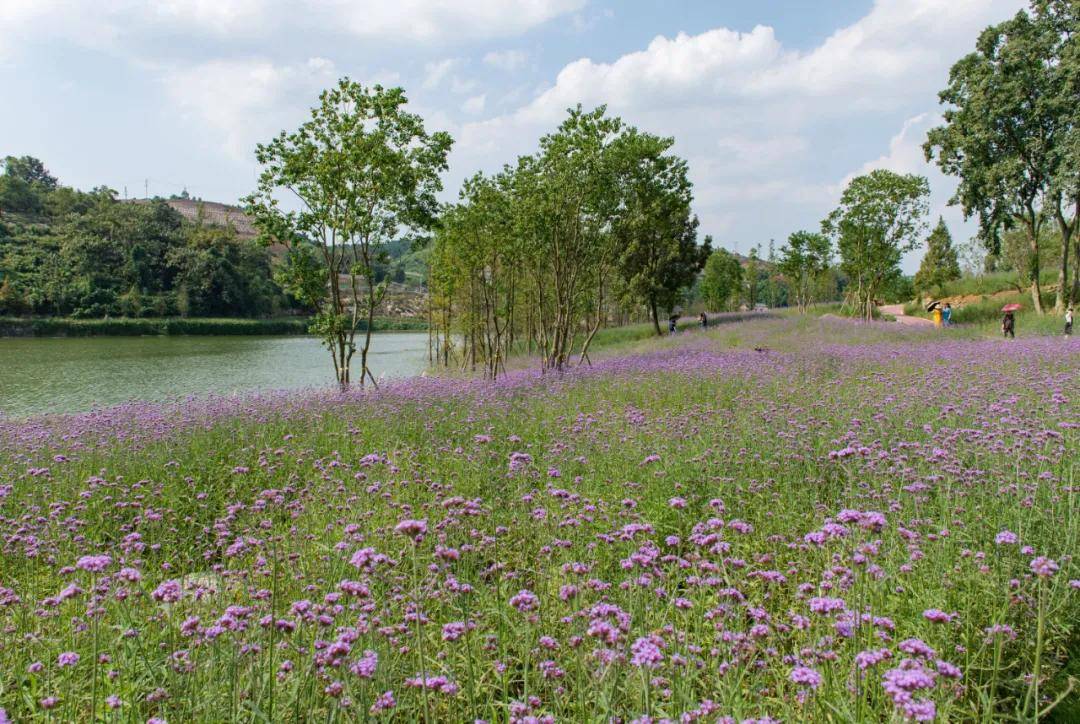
pixel 63 327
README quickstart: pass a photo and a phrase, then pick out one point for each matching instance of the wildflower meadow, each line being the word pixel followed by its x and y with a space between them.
pixel 779 520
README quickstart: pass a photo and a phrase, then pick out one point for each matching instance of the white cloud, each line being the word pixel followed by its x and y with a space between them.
pixel 245 102
pixel 506 60
pixel 447 20
pixel 437 71
pixel 764 126
pixel 474 105
pixel 114 24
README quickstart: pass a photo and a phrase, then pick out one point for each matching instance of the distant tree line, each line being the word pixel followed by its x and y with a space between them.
pixel 65 252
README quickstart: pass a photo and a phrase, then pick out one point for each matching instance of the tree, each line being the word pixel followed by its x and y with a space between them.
pixel 721 280
pixel 751 277
pixel 361 169
pixel 880 217
pixel 940 264
pixel 1010 131
pixel 802 261
pixel 654 229
pixel 546 251
pixel 30 170
pixel 24 185
pixel 220 275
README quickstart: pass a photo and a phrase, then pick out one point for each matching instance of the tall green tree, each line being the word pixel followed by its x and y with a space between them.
pixel 803 261
pixel 655 230
pixel 1010 130
pixel 721 280
pixel 940 264
pixel 24 185
pixel 361 169
pixel 752 277
pixel 881 216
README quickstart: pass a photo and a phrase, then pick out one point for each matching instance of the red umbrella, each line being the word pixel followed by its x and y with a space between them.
pixel 1012 308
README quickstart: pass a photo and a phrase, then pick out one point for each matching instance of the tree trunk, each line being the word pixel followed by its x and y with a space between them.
pixel 1074 291
pixel 1033 241
pixel 655 317
pixel 1064 294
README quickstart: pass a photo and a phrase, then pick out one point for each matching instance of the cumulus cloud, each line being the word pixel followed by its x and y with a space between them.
pixel 247 101
pixel 113 24
pixel 442 20
pixel 746 110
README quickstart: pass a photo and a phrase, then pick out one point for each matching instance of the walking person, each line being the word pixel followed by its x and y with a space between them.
pixel 1008 325
pixel 1068 322
pixel 946 315
pixel 673 323
pixel 937 316
pixel 705 320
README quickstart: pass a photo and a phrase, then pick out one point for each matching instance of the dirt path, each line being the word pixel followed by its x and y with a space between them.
pixel 897 310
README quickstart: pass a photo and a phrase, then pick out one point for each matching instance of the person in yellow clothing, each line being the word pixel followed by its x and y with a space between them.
pixel 937 316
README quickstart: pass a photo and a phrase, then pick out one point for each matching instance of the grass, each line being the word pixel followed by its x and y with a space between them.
pixel 689 526
pixel 993 283
pixel 122 326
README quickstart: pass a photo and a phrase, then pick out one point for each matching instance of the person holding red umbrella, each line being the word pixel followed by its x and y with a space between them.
pixel 1008 322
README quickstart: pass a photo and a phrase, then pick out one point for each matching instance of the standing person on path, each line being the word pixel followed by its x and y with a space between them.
pixel 1008 325
pixel 946 315
pixel 673 323
pixel 705 320
pixel 1068 322
pixel 937 316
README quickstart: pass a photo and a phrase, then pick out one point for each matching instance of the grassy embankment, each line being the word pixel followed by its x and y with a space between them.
pixel 120 326
pixel 977 301
pixel 821 530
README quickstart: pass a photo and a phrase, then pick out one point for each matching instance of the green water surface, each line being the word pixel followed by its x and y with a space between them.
pixel 75 374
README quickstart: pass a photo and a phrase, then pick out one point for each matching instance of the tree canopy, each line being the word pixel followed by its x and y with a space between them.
pixel 87 254
pixel 940 264
pixel 362 169
pixel 1010 131
pixel 803 261
pixel 721 280
pixel 881 216
pixel 547 250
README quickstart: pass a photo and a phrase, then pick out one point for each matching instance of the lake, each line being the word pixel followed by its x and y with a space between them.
pixel 41 375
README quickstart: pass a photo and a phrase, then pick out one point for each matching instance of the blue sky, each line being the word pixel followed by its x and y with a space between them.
pixel 775 103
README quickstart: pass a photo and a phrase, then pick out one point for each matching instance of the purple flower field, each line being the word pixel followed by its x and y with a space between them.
pixel 848 524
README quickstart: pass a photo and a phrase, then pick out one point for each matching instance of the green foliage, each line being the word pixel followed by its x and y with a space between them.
pixel 362 168
pixel 880 217
pixel 549 250
pixel 24 185
pixel 1010 129
pixel 88 255
pixel 722 280
pixel 655 232
pixel 130 327
pixel 940 264
pixel 900 288
pixel 803 261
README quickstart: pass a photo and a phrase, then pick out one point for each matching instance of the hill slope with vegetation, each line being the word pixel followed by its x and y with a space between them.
pixel 86 255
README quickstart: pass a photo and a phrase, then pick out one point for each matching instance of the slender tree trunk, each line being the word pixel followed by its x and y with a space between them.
pixel 1074 291
pixel 655 317
pixel 1064 293
pixel 1032 224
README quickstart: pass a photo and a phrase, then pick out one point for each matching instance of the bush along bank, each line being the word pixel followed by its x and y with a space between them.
pixel 127 327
